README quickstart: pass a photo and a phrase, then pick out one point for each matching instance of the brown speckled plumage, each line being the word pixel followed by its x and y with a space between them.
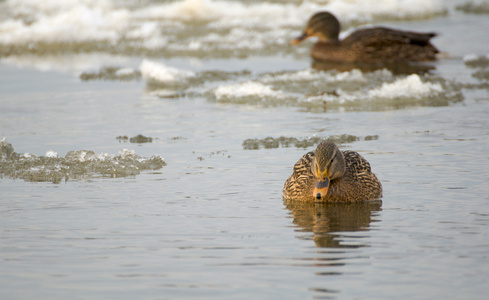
pixel 356 184
pixel 370 45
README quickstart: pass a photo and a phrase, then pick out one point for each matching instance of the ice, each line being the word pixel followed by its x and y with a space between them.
pixel 158 72
pixel 200 27
pixel 245 89
pixel 75 165
pixel 112 73
pixel 410 86
pixel 312 75
pixel 50 21
pixel 470 57
pixel 71 63
pixel 51 153
pixel 192 10
pixel 268 14
pixel 350 89
pixel 282 141
pixel 125 72
pixel 126 153
pixel 476 61
pixel 367 11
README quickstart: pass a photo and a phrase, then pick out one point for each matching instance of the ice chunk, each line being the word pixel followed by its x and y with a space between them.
pixel 158 72
pixel 244 89
pixel 410 86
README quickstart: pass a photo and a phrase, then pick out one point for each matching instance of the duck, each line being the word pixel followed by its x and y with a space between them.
pixel 331 175
pixel 375 45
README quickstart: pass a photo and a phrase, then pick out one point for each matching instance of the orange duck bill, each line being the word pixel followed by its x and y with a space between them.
pixel 321 188
pixel 299 39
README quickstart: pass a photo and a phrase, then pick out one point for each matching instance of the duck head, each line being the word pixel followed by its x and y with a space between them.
pixel 323 25
pixel 328 164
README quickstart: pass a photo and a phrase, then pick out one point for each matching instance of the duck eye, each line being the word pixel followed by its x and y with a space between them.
pixel 313 167
pixel 334 156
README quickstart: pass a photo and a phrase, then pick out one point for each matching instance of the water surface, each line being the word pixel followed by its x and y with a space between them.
pixel 212 223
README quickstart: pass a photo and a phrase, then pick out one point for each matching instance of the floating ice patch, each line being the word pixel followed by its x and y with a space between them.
pixel 112 73
pixel 28 155
pixel 51 153
pixel 271 142
pixel 259 14
pixel 84 155
pixel 313 75
pixel 470 58
pixel 311 87
pixel 353 75
pixel 409 87
pixel 191 10
pixel 367 11
pixel 481 64
pixel 303 75
pixel 144 31
pixel 75 165
pixel 245 89
pixel 126 153
pixel 124 72
pixel 380 92
pixel 158 72
pixel 52 21
pixel 322 77
pixel 180 28
pixel 477 61
pixel 74 63
pixel 474 7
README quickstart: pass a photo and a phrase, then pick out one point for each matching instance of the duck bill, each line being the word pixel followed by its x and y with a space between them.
pixel 299 39
pixel 321 189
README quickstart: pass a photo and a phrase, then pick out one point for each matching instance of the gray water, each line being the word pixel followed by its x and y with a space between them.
pixel 212 223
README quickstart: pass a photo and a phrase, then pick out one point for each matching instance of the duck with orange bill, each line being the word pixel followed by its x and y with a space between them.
pixel 331 175
pixel 375 45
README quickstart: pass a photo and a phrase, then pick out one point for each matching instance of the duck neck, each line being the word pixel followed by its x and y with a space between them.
pixel 330 42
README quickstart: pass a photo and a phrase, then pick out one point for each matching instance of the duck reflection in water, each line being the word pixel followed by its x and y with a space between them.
pixel 405 68
pixel 326 220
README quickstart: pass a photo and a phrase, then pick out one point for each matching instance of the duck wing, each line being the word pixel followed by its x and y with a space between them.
pixel 386 45
pixel 355 163
pixel 363 183
pixel 379 36
pixel 301 180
